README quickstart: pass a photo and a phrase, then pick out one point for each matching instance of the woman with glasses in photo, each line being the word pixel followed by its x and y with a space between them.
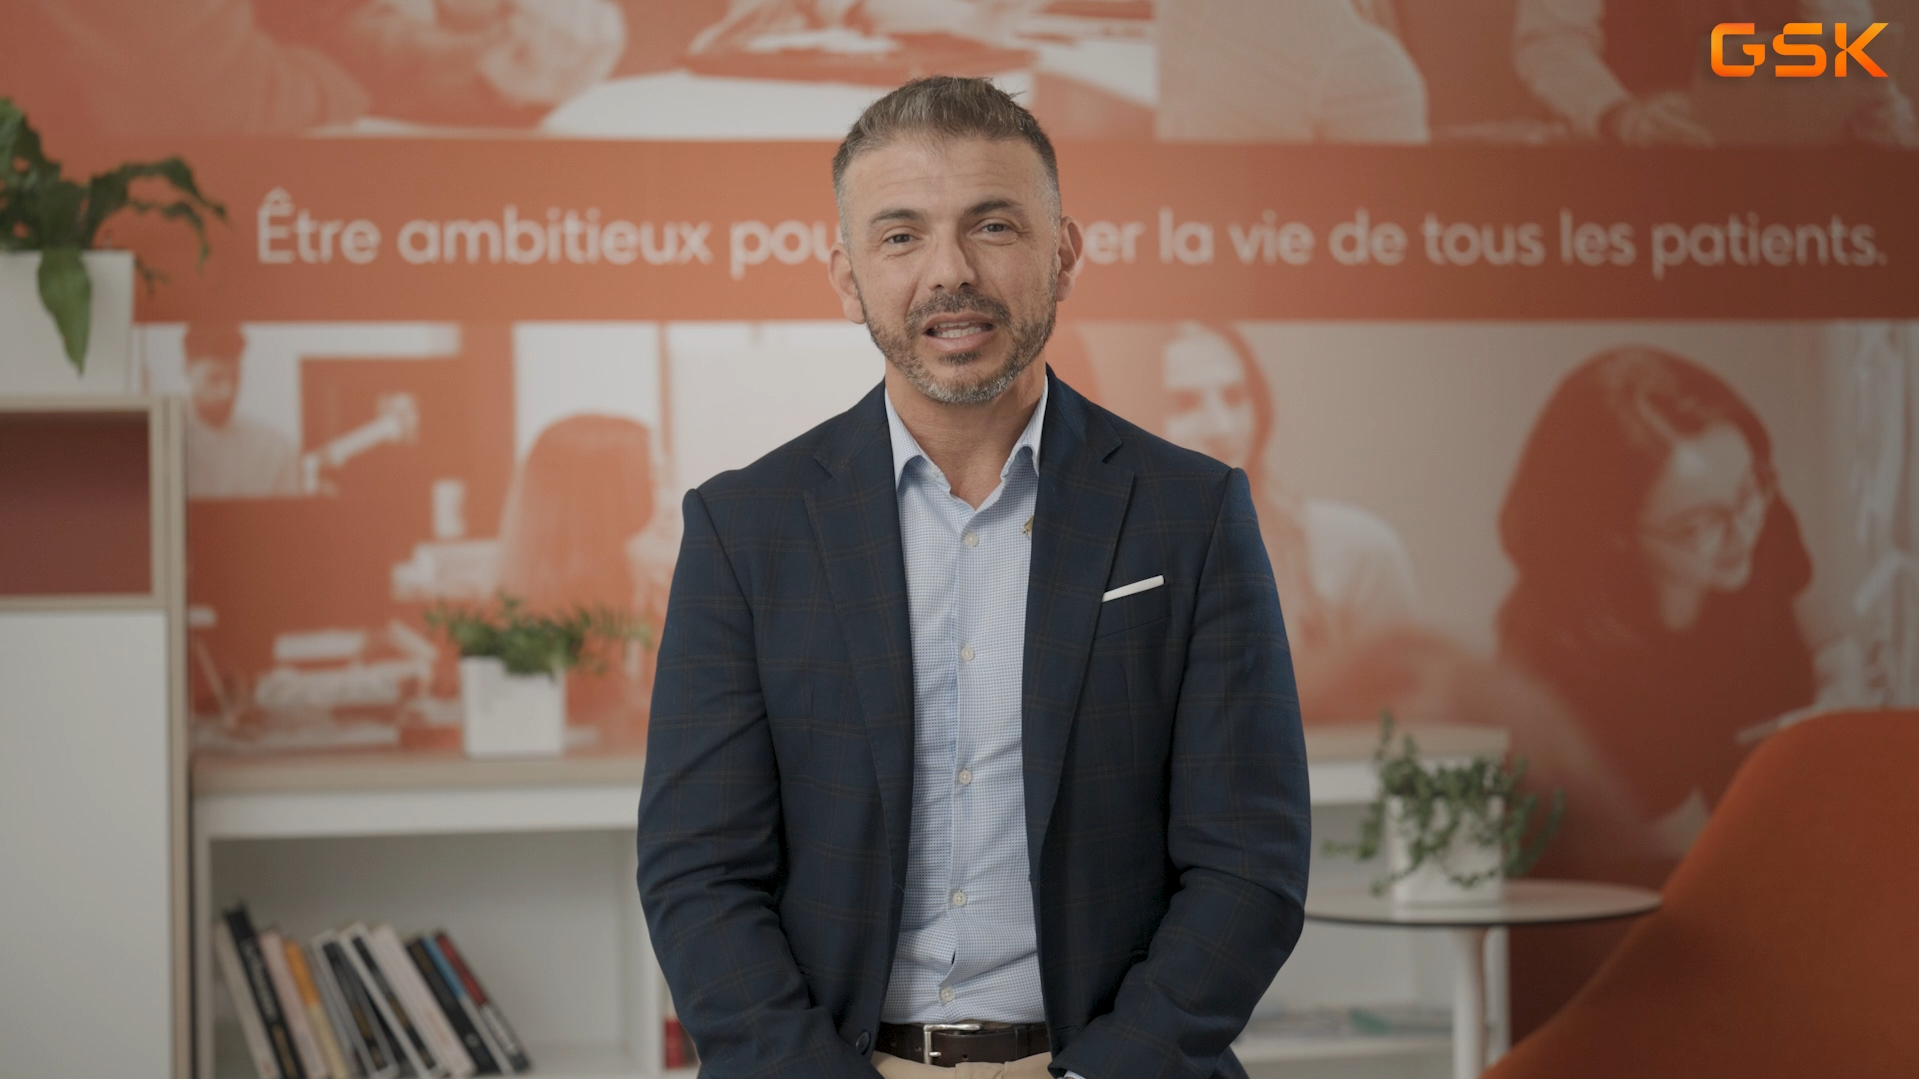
pixel 1658 570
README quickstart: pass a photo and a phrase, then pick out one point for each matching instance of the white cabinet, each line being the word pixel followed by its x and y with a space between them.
pixel 93 888
pixel 529 865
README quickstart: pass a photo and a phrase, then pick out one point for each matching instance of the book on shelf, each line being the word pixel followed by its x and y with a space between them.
pixel 407 1037
pixel 374 1042
pixel 496 1023
pixel 274 950
pixel 359 1002
pixel 433 1024
pixel 319 1018
pixel 272 1016
pixel 502 1059
pixel 345 1030
pixel 459 1017
pixel 240 991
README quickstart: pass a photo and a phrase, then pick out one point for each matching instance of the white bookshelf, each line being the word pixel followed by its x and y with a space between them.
pixel 529 864
pixel 93 784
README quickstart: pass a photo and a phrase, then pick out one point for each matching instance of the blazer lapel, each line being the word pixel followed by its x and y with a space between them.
pixel 1081 504
pixel 855 516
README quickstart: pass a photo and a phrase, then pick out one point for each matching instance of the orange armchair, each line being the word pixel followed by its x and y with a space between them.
pixel 1788 943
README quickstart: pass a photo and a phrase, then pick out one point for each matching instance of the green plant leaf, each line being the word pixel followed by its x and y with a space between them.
pixel 1436 801
pixel 110 192
pixel 68 294
pixel 11 121
pixel 41 210
pixel 528 643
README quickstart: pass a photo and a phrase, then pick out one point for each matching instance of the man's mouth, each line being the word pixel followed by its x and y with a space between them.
pixel 958 329
pixel 959 333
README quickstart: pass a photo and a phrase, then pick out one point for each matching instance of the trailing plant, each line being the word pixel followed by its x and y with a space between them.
pixel 41 210
pixel 529 643
pixel 1436 801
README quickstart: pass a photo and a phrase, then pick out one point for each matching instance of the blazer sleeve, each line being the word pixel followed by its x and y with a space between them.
pixel 1238 828
pixel 710 852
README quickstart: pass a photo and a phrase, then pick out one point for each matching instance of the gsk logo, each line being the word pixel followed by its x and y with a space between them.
pixel 1810 55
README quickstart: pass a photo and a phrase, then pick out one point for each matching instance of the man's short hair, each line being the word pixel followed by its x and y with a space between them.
pixel 214 341
pixel 945 107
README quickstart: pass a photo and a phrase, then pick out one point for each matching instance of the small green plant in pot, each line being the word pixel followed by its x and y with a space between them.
pixel 513 667
pixel 1451 833
pixel 43 211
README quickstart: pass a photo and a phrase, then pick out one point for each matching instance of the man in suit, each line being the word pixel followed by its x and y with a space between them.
pixel 974 736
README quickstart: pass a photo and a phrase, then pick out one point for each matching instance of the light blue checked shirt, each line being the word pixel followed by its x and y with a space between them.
pixel 967 948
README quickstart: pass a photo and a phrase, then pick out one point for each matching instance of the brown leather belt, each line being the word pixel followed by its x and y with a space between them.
pixel 945 1045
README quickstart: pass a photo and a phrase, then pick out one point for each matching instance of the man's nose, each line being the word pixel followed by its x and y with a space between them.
pixel 950 265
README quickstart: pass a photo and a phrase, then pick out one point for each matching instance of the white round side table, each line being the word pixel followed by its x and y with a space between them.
pixel 1525 902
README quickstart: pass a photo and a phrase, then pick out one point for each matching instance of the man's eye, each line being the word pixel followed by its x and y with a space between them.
pixel 898 238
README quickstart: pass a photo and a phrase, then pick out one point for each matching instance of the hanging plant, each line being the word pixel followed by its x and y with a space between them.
pixel 41 210
pixel 1435 805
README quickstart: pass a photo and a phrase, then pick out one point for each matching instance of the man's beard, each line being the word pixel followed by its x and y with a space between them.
pixel 901 348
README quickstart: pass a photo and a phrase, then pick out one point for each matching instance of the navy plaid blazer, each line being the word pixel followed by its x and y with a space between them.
pixel 1165 771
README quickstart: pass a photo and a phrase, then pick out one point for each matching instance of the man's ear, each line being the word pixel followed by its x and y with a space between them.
pixel 1072 245
pixel 839 272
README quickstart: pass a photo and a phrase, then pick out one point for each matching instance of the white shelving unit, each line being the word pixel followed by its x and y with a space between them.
pixel 93 780
pixel 529 864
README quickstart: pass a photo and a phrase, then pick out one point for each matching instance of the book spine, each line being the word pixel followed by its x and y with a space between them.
pixel 273 949
pixel 418 1053
pixel 673 1042
pixel 331 999
pixel 472 1010
pixel 375 1039
pixel 449 1003
pixel 317 1018
pixel 426 1011
pixel 279 1035
pixel 495 1020
pixel 240 992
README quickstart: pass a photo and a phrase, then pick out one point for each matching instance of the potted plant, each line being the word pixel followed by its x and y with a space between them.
pixel 1452 833
pixel 513 666
pixel 49 226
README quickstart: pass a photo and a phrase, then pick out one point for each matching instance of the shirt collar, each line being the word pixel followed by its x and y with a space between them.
pixel 906 447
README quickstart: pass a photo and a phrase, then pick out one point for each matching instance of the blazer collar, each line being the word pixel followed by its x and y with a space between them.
pixel 855 517
pixel 1076 522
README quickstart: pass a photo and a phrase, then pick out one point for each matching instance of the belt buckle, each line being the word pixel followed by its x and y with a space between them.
pixel 926 1037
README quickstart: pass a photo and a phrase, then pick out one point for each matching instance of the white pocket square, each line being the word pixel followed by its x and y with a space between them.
pixel 1129 589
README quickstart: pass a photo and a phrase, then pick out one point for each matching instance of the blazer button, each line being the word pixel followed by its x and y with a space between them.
pixel 866 1039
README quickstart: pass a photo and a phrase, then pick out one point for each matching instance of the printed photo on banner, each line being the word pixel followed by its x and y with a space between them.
pixel 343 478
pixel 1625 542
pixel 1405 72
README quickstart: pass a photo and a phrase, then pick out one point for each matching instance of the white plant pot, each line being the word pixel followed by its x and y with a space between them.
pixel 33 361
pixel 1431 883
pixel 511 715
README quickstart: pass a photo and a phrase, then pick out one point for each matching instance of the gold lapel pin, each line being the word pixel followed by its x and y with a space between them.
pixel 1027 527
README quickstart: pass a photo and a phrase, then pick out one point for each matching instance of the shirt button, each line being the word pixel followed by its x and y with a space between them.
pixel 959 899
pixel 946 994
pixel 966 777
pixel 972 539
pixel 966 652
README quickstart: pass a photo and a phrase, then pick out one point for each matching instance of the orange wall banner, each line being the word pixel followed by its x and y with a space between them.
pixel 454 229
